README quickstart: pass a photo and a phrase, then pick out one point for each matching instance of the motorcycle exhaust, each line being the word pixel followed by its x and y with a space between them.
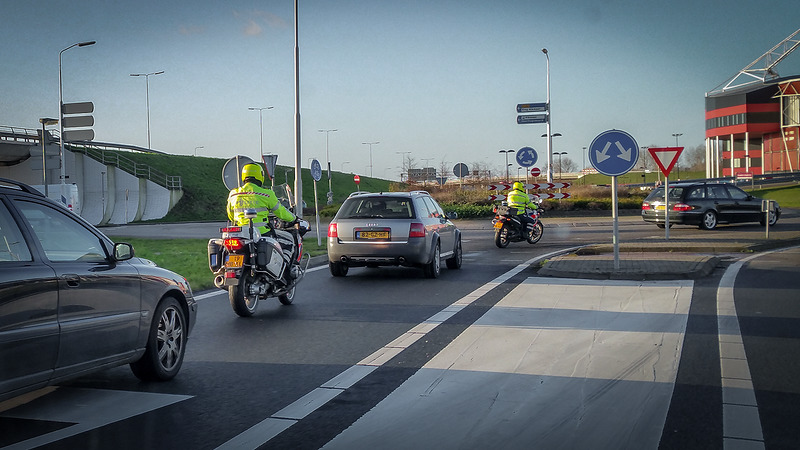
pixel 219 282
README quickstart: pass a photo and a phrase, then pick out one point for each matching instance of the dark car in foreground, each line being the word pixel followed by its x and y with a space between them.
pixel 706 205
pixel 73 302
pixel 393 229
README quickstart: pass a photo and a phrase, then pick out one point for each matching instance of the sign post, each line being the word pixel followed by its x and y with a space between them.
pixel 316 174
pixel 665 158
pixel 614 153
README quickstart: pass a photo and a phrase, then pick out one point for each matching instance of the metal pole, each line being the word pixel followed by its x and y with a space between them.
pixel 666 207
pixel 298 179
pixel 615 214
pixel 549 124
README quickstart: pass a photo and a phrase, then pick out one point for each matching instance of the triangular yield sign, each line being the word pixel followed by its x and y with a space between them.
pixel 665 157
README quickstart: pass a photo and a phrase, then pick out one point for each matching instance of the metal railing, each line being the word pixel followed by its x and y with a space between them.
pixel 113 158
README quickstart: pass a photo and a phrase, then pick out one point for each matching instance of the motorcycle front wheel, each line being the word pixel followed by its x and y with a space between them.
pixel 535 234
pixel 288 297
pixel 501 236
pixel 243 305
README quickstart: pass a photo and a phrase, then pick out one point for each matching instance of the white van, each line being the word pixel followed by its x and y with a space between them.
pixel 73 202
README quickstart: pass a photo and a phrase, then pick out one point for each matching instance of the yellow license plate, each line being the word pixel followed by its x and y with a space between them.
pixel 373 234
pixel 498 224
pixel 660 208
pixel 235 261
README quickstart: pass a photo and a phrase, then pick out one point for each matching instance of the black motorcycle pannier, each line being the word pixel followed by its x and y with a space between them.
pixel 215 249
pixel 263 253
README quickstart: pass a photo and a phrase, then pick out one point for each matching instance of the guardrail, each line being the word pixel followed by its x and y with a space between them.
pixel 113 158
pixel 760 180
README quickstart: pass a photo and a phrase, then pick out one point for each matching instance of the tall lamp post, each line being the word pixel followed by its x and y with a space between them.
pixel 677 166
pixel 559 164
pixel 45 121
pixel 63 173
pixel 583 164
pixel 549 115
pixel 507 164
pixel 261 126
pixel 370 154
pixel 328 158
pixel 147 96
pixel 197 148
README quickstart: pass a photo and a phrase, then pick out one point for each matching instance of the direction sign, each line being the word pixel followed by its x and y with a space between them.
pixel 316 170
pixel 526 157
pixel 535 172
pixel 460 170
pixel 77 108
pixel 506 186
pixel 78 135
pixel 532 118
pixel 501 197
pixel 531 107
pixel 665 157
pixel 78 121
pixel 613 152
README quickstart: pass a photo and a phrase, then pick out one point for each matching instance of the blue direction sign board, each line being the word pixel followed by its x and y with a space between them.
pixel 316 170
pixel 526 157
pixel 613 153
pixel 531 107
pixel 532 118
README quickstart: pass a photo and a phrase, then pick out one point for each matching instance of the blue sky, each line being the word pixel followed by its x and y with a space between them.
pixel 439 79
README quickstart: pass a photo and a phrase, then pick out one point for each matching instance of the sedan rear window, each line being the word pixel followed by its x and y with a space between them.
pixel 376 207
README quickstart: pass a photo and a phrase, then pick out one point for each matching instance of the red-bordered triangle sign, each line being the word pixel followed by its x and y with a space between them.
pixel 665 157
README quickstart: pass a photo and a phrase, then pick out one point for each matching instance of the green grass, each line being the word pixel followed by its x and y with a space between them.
pixel 189 257
pixel 787 197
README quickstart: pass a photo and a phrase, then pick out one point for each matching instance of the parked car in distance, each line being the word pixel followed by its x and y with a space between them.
pixel 73 302
pixel 706 205
pixel 393 229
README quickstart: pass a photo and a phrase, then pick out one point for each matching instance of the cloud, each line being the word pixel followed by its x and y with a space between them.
pixel 252 28
pixel 191 29
pixel 253 21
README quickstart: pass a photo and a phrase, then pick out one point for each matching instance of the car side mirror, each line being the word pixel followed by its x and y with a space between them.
pixel 123 251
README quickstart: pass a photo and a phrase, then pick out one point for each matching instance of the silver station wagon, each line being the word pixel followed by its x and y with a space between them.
pixel 393 229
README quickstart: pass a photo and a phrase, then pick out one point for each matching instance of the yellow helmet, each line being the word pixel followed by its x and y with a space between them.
pixel 253 171
pixel 519 186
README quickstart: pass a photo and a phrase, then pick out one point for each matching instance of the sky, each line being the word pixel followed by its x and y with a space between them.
pixel 436 81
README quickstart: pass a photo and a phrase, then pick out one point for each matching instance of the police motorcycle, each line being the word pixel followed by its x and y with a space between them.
pixel 509 228
pixel 253 267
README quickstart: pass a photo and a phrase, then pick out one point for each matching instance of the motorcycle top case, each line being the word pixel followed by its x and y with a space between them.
pixel 504 210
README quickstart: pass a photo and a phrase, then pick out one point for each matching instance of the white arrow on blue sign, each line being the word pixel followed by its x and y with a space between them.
pixel 526 157
pixel 613 153
pixel 316 170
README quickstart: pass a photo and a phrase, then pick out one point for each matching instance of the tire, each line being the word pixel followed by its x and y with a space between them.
pixel 166 343
pixel 338 269
pixel 287 298
pixel 242 306
pixel 434 268
pixel 535 234
pixel 455 261
pixel 501 237
pixel 662 226
pixel 709 220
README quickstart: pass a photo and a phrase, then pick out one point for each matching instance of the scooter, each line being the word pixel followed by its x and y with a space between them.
pixel 509 228
pixel 252 267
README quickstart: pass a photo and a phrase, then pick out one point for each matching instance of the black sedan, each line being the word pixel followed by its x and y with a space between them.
pixel 72 301
pixel 706 205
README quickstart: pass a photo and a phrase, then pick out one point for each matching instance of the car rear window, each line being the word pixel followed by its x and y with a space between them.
pixel 675 193
pixel 376 207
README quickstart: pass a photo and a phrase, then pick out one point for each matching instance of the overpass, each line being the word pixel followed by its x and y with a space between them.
pixel 111 189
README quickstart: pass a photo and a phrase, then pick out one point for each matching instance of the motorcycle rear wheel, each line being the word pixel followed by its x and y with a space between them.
pixel 535 234
pixel 501 236
pixel 242 305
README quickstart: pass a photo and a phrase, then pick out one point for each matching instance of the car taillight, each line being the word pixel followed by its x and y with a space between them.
pixel 646 207
pixel 230 230
pixel 681 207
pixel 417 230
pixel 333 231
pixel 233 244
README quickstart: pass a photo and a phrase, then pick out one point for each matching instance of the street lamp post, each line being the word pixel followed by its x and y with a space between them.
pixel 583 164
pixel 45 121
pixel 677 166
pixel 549 123
pixel 147 97
pixel 370 154
pixel 197 148
pixel 507 164
pixel 328 158
pixel 63 171
pixel 560 177
pixel 261 126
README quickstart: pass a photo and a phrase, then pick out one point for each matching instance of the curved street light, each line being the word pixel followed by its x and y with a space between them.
pixel 370 154
pixel 261 125
pixel 147 96
pixel 507 164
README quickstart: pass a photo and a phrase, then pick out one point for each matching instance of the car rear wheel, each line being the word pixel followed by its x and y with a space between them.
pixel 661 225
pixel 337 269
pixel 455 261
pixel 434 268
pixel 166 343
pixel 709 221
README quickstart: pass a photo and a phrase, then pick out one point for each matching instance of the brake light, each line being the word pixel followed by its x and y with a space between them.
pixel 333 231
pixel 230 230
pixel 646 207
pixel 233 244
pixel 417 230
pixel 681 207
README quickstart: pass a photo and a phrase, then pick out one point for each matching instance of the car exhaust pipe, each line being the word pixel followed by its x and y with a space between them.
pixel 219 281
pixel 343 259
pixel 402 260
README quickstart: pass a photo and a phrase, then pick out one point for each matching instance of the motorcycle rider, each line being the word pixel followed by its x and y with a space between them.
pixel 517 198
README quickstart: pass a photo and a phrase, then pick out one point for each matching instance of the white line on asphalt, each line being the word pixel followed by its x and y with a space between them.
pixel 270 427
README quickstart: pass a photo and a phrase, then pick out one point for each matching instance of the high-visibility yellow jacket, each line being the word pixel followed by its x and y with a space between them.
pixel 263 200
pixel 520 200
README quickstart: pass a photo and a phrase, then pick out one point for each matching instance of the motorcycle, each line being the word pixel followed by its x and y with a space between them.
pixel 253 267
pixel 509 228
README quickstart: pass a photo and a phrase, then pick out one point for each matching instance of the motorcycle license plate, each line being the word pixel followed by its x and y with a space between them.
pixel 498 225
pixel 235 261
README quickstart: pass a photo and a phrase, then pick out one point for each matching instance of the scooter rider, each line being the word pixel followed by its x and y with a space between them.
pixel 518 199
